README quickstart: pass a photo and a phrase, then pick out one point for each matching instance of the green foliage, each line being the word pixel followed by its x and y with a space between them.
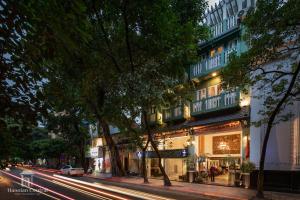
pixel 271 66
pixel 272 58
pixel 104 59
pixel 191 162
pixel 47 148
pixel 247 167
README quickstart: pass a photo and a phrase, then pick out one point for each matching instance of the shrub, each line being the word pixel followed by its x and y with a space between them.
pixel 247 167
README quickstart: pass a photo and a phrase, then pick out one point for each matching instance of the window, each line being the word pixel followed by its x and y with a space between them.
pixel 244 4
pixel 232 44
pixel 214 90
pixel 212 53
pixel 220 49
pixel 153 110
pixel 201 94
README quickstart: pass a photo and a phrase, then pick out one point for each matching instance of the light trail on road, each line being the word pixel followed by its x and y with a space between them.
pixel 81 186
pixel 139 194
pixel 89 187
pixel 48 195
pixel 39 186
pixel 82 191
pixel 120 190
pixel 74 188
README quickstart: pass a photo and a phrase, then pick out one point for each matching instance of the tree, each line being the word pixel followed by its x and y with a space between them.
pixel 271 64
pixel 159 62
pixel 67 118
pixel 107 41
pixel 20 104
pixel 48 148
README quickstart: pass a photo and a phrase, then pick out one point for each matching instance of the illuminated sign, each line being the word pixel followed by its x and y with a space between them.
pixel 94 152
pixel 172 153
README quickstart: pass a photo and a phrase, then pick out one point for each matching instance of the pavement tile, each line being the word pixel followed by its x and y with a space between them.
pixel 213 191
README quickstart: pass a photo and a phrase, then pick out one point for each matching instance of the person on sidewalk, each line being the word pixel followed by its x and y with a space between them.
pixel 212 173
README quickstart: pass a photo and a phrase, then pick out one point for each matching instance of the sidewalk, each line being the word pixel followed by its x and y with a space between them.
pixel 213 191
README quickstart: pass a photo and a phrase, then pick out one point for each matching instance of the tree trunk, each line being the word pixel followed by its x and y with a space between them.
pixel 167 181
pixel 81 147
pixel 144 168
pixel 103 170
pixel 116 164
pixel 82 156
pixel 260 180
pixel 58 164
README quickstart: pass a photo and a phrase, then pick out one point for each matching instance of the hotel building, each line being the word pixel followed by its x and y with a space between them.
pixel 213 129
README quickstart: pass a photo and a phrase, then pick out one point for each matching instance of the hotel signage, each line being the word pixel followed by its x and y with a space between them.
pixel 172 153
pixel 96 152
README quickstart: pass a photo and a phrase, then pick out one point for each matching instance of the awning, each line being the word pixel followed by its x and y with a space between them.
pixel 241 114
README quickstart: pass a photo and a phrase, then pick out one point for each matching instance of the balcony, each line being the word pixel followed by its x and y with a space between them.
pixel 211 64
pixel 175 113
pixel 228 99
pixel 221 28
pixel 155 118
pixel 225 26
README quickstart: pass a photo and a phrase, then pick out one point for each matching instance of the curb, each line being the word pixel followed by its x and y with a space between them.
pixel 157 188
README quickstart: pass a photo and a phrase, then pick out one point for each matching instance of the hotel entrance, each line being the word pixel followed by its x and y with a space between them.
pixel 219 156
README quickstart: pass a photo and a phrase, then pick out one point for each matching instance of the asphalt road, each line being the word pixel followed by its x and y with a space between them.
pixel 50 185
pixel 46 186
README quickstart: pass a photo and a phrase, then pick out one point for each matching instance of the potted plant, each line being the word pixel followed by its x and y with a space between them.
pixel 199 179
pixel 231 169
pixel 246 168
pixel 191 167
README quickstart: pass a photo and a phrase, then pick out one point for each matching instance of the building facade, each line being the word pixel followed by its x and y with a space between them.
pixel 213 129
pixel 99 155
pixel 282 163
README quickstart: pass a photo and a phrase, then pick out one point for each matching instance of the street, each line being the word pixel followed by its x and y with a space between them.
pixel 48 185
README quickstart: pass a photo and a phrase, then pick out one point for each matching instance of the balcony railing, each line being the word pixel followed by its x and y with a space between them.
pixel 213 63
pixel 227 99
pixel 154 118
pixel 224 26
pixel 173 113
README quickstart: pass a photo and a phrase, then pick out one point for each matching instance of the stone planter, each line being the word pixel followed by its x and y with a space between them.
pixel 231 177
pixel 237 178
pixel 191 176
pixel 234 178
pixel 246 179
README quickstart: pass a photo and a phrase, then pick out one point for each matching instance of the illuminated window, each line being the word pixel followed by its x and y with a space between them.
pixel 214 90
pixel 153 110
pixel 220 49
pixel 201 94
pixel 212 53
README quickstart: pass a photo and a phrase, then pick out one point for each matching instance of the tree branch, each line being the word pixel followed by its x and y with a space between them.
pixel 127 35
pixel 105 36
